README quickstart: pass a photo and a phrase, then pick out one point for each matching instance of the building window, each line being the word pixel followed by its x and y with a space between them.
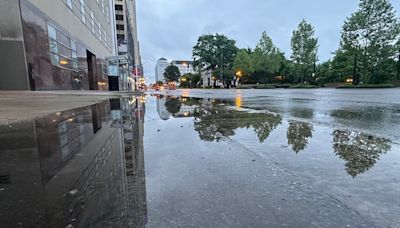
pixel 119 17
pixel 83 17
pixel 118 7
pixel 69 3
pixel 62 49
pixel 120 27
pixel 99 31
pixel 120 37
pixel 94 25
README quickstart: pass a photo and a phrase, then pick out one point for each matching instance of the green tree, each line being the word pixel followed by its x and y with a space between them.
pixel 267 59
pixel 216 53
pixel 172 73
pixel 189 80
pixel 370 35
pixel 304 51
pixel 244 65
pixel 324 73
pixel 341 66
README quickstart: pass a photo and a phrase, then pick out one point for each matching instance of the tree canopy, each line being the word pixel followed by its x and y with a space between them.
pixel 305 50
pixel 371 34
pixel 369 53
pixel 172 73
pixel 216 53
pixel 267 58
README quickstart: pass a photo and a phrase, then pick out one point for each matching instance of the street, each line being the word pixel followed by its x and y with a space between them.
pixel 206 158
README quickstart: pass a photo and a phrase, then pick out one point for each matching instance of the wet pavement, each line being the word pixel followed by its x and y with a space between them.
pixel 208 158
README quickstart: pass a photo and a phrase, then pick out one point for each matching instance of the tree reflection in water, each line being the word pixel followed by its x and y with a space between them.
pixel 217 122
pixel 173 105
pixel 359 150
pixel 298 134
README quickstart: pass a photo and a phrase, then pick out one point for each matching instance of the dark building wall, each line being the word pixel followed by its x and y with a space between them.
pixel 45 76
pixel 13 74
pixel 25 53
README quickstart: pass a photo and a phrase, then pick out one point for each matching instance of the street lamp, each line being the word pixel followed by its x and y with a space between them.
pixel 239 74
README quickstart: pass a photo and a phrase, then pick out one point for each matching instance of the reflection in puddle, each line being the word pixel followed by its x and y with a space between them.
pixel 216 120
pixel 85 167
pixel 173 105
pixel 360 151
pixel 298 134
pixel 365 114
pixel 72 169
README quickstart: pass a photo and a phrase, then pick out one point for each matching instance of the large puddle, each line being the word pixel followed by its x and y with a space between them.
pixel 161 161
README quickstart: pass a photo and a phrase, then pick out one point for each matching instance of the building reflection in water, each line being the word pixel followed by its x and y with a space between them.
pixel 298 134
pixel 360 151
pixel 76 168
pixel 178 107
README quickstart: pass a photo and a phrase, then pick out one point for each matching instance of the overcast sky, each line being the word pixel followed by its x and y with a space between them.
pixel 170 28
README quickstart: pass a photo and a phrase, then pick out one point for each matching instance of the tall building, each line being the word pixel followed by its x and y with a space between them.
pixel 127 36
pixel 121 26
pixel 133 41
pixel 185 67
pixel 53 45
pixel 162 64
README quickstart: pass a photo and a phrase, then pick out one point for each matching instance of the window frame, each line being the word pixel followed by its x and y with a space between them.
pixel 55 55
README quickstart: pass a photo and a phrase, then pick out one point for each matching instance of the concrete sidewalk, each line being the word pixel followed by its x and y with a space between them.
pixel 17 106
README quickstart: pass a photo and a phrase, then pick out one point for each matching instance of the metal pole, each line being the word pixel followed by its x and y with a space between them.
pixel 136 78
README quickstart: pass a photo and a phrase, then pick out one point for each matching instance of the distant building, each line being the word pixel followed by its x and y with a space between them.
pixel 206 77
pixel 55 45
pixel 162 64
pixel 185 67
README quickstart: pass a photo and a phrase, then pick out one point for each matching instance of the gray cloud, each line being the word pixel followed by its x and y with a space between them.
pixel 170 28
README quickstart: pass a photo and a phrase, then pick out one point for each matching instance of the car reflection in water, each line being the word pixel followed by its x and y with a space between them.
pixel 216 120
pixel 78 168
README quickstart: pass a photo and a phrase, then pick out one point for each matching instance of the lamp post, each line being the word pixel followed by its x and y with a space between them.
pixel 239 74
pixel 314 72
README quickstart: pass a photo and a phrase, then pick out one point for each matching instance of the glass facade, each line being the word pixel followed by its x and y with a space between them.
pixel 88 18
pixel 62 49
